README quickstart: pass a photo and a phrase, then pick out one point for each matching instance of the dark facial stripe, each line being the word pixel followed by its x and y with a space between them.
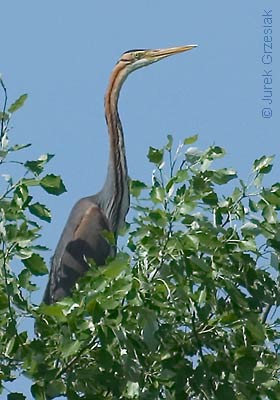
pixel 132 50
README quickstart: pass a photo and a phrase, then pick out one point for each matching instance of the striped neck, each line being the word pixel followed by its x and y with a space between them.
pixel 115 192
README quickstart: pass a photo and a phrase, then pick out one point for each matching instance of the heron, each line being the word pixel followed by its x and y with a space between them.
pixel 83 236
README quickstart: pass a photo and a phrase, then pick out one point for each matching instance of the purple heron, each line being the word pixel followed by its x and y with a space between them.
pixel 83 235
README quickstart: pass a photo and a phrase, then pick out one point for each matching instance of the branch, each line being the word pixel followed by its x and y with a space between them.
pixel 2 132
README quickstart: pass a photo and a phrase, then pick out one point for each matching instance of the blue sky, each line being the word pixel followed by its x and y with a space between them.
pixel 61 53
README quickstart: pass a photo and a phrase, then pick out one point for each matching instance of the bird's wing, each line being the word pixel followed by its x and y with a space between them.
pixel 81 239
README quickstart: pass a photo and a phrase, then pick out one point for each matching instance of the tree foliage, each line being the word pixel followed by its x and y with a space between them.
pixel 188 309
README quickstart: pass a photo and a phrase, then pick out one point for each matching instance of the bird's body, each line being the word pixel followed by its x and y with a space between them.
pixel 81 239
pixel 83 235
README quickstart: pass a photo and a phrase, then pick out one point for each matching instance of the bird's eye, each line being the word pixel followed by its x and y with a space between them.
pixel 137 56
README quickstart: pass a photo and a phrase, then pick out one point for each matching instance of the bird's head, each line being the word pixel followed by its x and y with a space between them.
pixel 139 58
pixel 134 59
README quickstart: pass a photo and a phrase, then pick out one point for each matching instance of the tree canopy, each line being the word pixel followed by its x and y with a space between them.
pixel 189 308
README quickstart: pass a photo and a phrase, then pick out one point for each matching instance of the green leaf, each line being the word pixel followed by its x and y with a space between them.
pixel 256 329
pixel 132 390
pixel 24 280
pixel 34 166
pixel 56 389
pixel 261 375
pixel 190 139
pixel 155 155
pixel 54 310
pixel 136 187
pixel 53 184
pixel 245 367
pixel 250 229
pixel 109 236
pixel 224 175
pixel 202 297
pixel 4 303
pixel 36 265
pixel 21 195
pixel 70 348
pixel 168 146
pixel 18 147
pixel 18 103
pixel 16 396
pixel 31 182
pixel 159 217
pixel 104 359
pixel 271 196
pixel 258 181
pixel 215 152
pixel 274 243
pixel 117 266
pixel 37 166
pixel 193 155
pixel 191 242
pixel 157 194
pixel 40 211
pixel 253 206
pixel 211 199
pixel 200 263
pixel 237 296
pixel 95 309
pixel 149 328
pixel 182 175
pixel 38 392
pixel 110 303
pixel 263 164
pixel 274 261
pixel 170 185
pixel 3 154
pixel 248 245
pixel 123 230
pixel 45 158
pixel 269 214
pixel 10 346
pixel 237 194
pixel 225 391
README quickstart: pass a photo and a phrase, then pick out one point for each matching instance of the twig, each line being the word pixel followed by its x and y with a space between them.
pixel 4 108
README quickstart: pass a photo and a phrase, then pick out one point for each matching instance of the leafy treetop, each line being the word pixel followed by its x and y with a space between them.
pixel 188 309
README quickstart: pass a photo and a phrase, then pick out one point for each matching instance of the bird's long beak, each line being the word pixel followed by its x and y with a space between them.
pixel 162 53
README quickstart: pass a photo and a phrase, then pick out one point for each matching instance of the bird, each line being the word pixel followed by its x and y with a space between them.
pixel 83 236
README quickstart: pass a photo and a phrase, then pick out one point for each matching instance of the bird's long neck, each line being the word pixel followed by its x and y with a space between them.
pixel 115 192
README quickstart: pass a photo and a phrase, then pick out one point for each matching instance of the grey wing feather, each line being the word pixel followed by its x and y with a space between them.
pixel 81 238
